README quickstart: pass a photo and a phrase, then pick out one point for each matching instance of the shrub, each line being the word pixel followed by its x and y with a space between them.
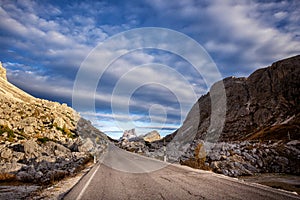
pixel 10 132
pixel 4 128
pixel 65 131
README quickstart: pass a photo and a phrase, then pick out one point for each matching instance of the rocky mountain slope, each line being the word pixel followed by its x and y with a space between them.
pixel 264 106
pixel 262 125
pixel 42 141
pixel 261 131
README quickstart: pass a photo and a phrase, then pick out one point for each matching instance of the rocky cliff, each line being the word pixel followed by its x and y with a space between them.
pixel 42 141
pixel 261 131
pixel 262 125
pixel 263 106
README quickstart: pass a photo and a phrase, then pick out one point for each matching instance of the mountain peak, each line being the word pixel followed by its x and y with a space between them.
pixel 129 134
pixel 2 72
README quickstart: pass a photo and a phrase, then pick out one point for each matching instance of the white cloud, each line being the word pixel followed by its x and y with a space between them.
pixel 281 15
pixel 108 123
pixel 221 47
pixel 242 26
pixel 52 38
pixel 248 34
pixel 32 80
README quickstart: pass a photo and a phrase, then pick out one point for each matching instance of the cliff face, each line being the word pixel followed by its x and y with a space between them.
pixel 261 132
pixel 40 139
pixel 263 106
pixel 262 115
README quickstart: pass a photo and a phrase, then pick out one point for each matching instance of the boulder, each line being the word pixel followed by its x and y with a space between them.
pixel 11 167
pixel 32 149
pixel 6 153
pixel 152 136
pixel 87 146
pixel 58 149
pixel 25 177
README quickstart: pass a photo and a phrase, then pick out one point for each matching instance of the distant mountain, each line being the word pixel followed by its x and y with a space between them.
pixel 41 140
pixel 129 135
pixel 130 141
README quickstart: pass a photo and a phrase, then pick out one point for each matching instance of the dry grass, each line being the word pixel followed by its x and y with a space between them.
pixel 57 176
pixel 7 177
pixel 87 162
pixel 277 132
pixel 198 161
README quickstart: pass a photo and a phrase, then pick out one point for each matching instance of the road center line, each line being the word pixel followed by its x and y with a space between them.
pixel 87 184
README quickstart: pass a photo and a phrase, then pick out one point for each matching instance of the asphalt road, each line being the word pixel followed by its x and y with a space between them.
pixel 124 175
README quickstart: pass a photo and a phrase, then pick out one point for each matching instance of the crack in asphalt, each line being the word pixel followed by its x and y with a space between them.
pixel 165 179
pixel 162 196
pixel 192 194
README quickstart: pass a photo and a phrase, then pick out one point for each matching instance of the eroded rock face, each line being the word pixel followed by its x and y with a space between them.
pixel 263 106
pixel 268 98
pixel 263 109
pixel 261 132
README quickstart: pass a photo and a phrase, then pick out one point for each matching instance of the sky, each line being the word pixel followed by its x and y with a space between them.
pixel 46 46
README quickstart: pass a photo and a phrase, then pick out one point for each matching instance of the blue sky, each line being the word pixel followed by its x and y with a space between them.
pixel 44 43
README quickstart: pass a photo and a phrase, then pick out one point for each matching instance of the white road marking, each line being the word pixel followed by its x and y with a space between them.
pixel 87 184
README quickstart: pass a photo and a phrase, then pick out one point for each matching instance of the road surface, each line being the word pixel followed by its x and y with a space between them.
pixel 124 175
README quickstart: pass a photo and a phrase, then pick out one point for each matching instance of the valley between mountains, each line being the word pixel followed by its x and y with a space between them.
pixel 44 142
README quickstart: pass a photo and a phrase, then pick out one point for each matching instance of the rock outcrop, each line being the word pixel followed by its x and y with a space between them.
pixel 264 106
pixel 133 143
pixel 152 136
pixel 42 141
pixel 261 131
pixel 262 125
pixel 129 135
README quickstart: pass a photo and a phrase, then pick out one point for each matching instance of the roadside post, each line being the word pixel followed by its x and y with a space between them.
pixel 165 151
